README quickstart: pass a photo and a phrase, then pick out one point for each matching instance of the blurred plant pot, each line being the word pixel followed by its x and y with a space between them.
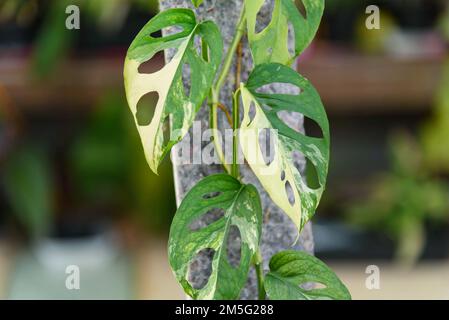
pixel 84 262
pixel 88 245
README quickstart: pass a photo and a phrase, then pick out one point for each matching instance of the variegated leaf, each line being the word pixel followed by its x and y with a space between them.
pixel 291 270
pixel 271 44
pixel 174 104
pixel 240 207
pixel 262 111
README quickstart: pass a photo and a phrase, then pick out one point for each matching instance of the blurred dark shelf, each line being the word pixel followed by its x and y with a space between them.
pixel 76 84
pixel 337 241
pixel 351 83
pixel 347 82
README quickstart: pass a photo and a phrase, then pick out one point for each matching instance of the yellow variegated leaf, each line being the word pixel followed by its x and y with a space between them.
pixel 280 178
pixel 174 103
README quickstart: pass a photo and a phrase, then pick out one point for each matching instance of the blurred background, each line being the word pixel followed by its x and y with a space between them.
pixel 75 187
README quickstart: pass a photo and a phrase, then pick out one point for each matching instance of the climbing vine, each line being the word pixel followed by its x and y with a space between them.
pixel 239 203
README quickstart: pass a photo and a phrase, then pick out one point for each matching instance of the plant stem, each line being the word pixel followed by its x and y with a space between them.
pixel 235 127
pixel 240 30
pixel 213 124
pixel 235 46
pixel 259 274
pixel 238 68
pixel 226 112
pixel 213 115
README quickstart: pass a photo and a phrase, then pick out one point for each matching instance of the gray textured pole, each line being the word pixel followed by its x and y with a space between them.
pixel 279 233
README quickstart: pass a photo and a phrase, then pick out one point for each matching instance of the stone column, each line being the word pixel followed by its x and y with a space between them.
pixel 279 233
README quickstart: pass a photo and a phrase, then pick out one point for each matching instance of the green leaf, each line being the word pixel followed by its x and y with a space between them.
pixel 271 44
pixel 281 177
pixel 197 3
pixel 241 208
pixel 174 104
pixel 290 270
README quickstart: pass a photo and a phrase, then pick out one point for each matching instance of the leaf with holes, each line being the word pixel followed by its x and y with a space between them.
pixel 175 104
pixel 241 208
pixel 264 111
pixel 271 44
pixel 291 271
pixel 197 3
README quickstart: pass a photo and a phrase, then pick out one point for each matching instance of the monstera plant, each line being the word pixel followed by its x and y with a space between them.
pixel 199 47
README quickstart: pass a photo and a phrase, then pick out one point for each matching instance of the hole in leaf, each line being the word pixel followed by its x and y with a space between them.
pixel 264 16
pixel 251 112
pixel 266 108
pixel 167 31
pixel 301 8
pixel 298 161
pixel 311 174
pixel 291 44
pixel 156 63
pixel 283 175
pixel 234 246
pixel 186 79
pixel 290 194
pixel 153 65
pixel 156 34
pixel 197 43
pixel 211 195
pixel 201 46
pixel 206 55
pixel 312 128
pixel 267 145
pixel 291 119
pixel 279 88
pixel 200 268
pixel 206 219
pixel 312 286
pixel 145 108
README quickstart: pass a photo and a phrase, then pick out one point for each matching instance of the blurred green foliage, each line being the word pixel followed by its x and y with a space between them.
pixel 444 23
pixel 28 182
pixel 54 40
pixel 403 200
pixel 414 191
pixel 108 166
pixel 106 163
pixel 435 132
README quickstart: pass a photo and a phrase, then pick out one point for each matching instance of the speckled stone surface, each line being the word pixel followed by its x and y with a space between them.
pixel 279 233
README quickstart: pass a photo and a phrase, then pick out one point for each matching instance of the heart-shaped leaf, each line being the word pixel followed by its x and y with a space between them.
pixel 174 104
pixel 241 208
pixel 271 44
pixel 291 270
pixel 280 177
